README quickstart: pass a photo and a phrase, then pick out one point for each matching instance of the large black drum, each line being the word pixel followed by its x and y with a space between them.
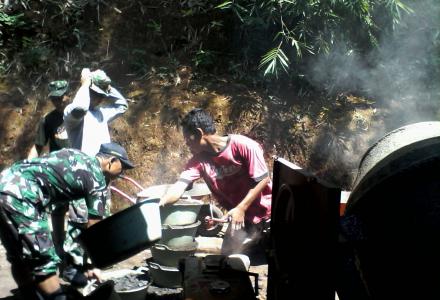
pixel 392 218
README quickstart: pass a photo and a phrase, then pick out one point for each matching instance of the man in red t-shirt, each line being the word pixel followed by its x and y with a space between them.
pixel 235 171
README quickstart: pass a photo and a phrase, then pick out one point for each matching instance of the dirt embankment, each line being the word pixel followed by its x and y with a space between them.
pixel 155 70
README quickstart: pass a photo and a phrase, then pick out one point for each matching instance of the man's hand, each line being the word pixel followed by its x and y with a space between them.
pixel 94 274
pixel 173 193
pixel 86 76
pixel 237 215
pixel 163 201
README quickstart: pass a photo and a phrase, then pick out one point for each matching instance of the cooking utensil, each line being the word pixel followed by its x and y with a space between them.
pixel 175 236
pixel 131 291
pixel 182 212
pixel 124 195
pixel 212 220
pixel 123 234
pixel 163 276
pixel 170 256
pixel 157 191
pixel 104 291
pixel 209 229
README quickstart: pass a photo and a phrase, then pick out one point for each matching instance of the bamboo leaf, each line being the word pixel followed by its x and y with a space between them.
pixel 224 5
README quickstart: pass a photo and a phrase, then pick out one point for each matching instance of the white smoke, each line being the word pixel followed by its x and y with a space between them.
pixel 400 77
pixel 400 74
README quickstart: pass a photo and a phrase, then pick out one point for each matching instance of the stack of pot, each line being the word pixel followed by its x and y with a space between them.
pixel 179 226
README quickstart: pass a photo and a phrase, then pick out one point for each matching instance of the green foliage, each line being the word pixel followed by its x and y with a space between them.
pixel 155 27
pixel 11 20
pixel 204 58
pixel 273 59
pixel 31 31
pixel 33 58
pixel 9 24
pixel 311 27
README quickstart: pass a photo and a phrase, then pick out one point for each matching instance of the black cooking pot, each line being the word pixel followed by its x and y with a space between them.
pixel 169 256
pixel 167 277
pixel 104 291
pixel 123 234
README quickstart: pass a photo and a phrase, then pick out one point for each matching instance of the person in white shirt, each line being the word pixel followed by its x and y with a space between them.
pixel 86 120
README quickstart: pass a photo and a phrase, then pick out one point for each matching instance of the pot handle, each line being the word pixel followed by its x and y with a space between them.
pixel 186 197
pixel 152 265
pixel 168 226
pixel 161 247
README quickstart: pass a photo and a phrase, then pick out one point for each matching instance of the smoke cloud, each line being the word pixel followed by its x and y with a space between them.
pixel 401 75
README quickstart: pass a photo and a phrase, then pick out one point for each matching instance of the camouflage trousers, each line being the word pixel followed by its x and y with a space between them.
pixel 66 242
pixel 71 251
pixel 26 236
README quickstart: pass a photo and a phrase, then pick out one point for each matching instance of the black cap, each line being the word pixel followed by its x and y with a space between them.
pixel 117 151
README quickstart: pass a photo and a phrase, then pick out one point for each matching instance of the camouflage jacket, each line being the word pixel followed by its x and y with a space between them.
pixel 60 176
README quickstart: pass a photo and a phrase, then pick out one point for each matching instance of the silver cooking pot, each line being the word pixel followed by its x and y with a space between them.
pixel 123 234
pixel 179 236
pixel 157 191
pixel 182 212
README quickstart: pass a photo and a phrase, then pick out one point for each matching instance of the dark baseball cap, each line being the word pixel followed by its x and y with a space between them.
pixel 117 151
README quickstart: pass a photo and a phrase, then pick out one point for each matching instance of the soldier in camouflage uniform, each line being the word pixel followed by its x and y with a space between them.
pixel 51 131
pixel 29 188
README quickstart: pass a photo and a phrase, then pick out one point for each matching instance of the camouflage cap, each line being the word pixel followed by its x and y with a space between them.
pixel 58 88
pixel 100 82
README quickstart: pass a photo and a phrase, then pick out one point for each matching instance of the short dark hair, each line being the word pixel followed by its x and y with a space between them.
pixel 198 118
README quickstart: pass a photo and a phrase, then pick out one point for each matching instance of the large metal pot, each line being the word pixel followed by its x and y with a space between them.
pixel 183 212
pixel 162 276
pixel 123 234
pixel 138 287
pixel 104 291
pixel 170 256
pixel 179 236
pixel 157 191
